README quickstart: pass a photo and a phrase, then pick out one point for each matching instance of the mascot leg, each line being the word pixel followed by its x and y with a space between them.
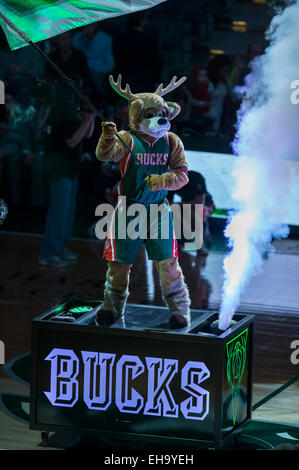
pixel 175 292
pixel 116 293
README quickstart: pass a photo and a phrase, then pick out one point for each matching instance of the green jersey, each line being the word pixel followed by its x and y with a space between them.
pixel 155 157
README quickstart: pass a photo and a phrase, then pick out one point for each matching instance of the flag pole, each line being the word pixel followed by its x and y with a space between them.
pixel 70 83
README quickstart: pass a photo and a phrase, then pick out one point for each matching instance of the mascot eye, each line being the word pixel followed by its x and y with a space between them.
pixel 149 115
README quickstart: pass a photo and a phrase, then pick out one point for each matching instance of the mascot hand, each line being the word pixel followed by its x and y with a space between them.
pixel 109 130
pixel 156 182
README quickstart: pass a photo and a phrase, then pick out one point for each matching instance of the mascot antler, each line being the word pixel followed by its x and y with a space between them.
pixel 172 86
pixel 126 92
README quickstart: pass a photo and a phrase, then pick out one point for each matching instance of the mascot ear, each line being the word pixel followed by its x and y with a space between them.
pixel 136 108
pixel 174 110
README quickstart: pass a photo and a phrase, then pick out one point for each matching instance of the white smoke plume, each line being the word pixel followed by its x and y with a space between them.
pixel 267 136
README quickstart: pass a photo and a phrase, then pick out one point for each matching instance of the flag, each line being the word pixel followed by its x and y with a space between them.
pixel 43 19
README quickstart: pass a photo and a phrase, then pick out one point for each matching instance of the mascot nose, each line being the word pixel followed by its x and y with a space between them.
pixel 162 121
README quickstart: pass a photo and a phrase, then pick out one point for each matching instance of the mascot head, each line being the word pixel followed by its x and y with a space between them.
pixel 149 113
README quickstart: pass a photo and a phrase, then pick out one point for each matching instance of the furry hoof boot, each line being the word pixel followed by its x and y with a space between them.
pixel 114 305
pixel 178 301
pixel 104 317
pixel 178 321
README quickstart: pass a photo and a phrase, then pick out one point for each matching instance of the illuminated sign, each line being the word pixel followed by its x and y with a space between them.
pixel 236 361
pixel 101 370
pixel 81 309
pixel 140 381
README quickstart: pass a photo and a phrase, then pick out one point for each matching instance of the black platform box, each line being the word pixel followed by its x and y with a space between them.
pixel 141 380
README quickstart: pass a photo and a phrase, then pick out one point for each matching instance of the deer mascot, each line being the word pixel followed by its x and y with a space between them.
pixel 162 153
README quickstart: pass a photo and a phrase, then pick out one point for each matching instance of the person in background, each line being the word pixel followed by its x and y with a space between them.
pixel 97 47
pixel 106 189
pixel 236 78
pixel 183 121
pixel 15 144
pixel 136 54
pixel 218 75
pixel 200 288
pixel 19 69
pixel 187 121
pixel 241 66
pixel 71 61
pixel 201 91
pixel 67 127
pixel 195 192
pixel 43 98
pixel 121 115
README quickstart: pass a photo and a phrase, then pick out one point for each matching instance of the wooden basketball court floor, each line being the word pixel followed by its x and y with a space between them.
pixel 27 290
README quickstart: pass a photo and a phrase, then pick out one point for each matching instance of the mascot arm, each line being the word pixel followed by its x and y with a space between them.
pixel 177 177
pixel 109 148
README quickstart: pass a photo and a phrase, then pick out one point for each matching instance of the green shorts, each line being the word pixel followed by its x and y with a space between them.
pixel 129 230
